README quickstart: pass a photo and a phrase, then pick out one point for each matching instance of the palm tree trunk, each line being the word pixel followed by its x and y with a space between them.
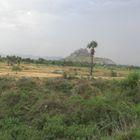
pixel 91 71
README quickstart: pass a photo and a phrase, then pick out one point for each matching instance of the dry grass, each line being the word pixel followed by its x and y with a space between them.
pixel 43 71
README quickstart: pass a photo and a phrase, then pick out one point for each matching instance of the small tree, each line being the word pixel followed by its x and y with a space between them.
pixel 92 45
pixel 16 68
pixel 113 73
pixel 12 60
pixel 18 60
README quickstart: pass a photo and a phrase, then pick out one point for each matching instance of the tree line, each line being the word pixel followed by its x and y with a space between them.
pixel 12 60
pixel 16 60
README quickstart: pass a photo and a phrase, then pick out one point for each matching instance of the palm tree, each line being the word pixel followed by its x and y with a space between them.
pixel 92 45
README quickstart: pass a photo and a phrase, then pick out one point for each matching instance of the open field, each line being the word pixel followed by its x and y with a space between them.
pixel 43 71
pixel 69 109
pixel 42 102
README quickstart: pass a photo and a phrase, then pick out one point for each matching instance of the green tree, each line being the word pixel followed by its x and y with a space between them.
pixel 12 60
pixel 16 68
pixel 92 45
pixel 18 60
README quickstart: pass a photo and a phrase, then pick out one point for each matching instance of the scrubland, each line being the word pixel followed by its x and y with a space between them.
pixel 70 105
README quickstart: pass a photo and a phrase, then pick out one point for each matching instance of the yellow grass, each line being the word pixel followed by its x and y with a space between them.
pixel 43 71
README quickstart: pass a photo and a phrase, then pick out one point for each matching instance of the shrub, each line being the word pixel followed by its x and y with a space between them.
pixel 110 115
pixel 16 68
pixel 54 128
pixel 135 135
pixel 106 86
pixel 65 75
pixel 6 84
pixel 131 82
pixel 23 132
pixel 113 73
pixel 27 84
pixel 12 98
pixel 8 122
pixel 85 89
pixel 133 94
pixel 81 132
pixel 62 85
pixel 131 88
pixel 137 110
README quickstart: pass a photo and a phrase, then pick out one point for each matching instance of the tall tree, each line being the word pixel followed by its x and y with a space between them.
pixel 92 45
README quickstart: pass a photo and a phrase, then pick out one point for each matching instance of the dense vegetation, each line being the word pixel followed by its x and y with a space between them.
pixel 69 109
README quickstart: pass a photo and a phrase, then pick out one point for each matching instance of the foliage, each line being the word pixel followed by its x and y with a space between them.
pixel 92 45
pixel 16 68
pixel 131 82
pixel 6 84
pixel 69 109
pixel 26 84
pixel 12 60
pixel 113 73
pixel 59 85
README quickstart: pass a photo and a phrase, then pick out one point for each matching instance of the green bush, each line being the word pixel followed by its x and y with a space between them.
pixel 27 84
pixel 65 75
pixel 113 73
pixel 6 84
pixel 62 85
pixel 85 89
pixel 131 81
pixel 100 84
pixel 131 87
pixel 81 132
pixel 110 115
pixel 137 110
pixel 54 128
pixel 133 94
pixel 23 132
pixel 132 135
pixel 16 68
pixel 8 123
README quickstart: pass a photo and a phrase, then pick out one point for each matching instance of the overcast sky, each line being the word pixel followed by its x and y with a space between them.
pixel 58 27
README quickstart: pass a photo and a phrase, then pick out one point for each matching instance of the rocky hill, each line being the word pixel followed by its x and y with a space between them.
pixel 82 55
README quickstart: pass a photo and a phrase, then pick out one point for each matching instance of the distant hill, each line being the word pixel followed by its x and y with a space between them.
pixel 82 55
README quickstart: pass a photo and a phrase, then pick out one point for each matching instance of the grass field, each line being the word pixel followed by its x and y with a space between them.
pixel 43 71
pixel 62 103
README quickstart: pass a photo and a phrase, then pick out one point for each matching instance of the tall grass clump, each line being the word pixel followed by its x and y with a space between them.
pixel 16 68
pixel 27 84
pixel 85 89
pixel 132 81
pixel 60 85
pixel 110 114
pixel 6 84
pixel 113 73
pixel 131 87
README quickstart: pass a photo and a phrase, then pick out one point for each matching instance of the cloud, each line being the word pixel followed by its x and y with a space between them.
pixel 18 14
pixel 14 17
pixel 85 6
pixel 17 11
pixel 19 19
pixel 31 14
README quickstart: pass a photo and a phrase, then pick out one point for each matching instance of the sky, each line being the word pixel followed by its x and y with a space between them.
pixel 58 27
